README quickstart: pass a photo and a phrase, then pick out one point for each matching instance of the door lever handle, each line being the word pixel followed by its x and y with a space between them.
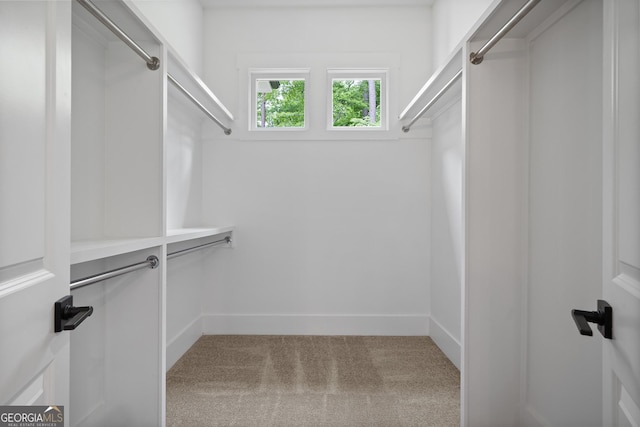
pixel 603 318
pixel 66 316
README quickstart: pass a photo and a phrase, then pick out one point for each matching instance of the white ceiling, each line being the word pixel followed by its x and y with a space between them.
pixel 311 3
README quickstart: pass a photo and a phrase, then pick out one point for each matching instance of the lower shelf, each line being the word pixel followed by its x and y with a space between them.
pixel 89 250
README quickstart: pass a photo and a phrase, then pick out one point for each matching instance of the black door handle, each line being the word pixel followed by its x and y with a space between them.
pixel 66 316
pixel 603 318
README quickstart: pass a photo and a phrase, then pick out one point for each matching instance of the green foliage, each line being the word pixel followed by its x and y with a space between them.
pixel 283 106
pixel 351 103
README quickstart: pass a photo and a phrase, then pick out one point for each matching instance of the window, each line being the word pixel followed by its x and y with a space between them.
pixel 357 99
pixel 278 100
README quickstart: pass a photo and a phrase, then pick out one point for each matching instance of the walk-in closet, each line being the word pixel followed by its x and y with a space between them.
pixel 193 232
pixel 136 203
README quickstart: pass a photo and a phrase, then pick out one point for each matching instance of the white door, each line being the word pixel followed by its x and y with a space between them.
pixel 34 200
pixel 621 285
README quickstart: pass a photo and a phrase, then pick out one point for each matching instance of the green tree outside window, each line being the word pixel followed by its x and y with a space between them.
pixel 280 103
pixel 356 103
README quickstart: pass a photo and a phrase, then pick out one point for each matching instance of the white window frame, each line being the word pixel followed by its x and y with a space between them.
pixel 277 74
pixel 359 74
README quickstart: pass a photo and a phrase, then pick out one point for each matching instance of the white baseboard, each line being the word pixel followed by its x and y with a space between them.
pixel 445 341
pixel 179 344
pixel 382 325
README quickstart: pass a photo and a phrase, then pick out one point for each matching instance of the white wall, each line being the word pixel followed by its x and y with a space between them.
pixel 180 23
pixel 183 161
pixel 494 208
pixel 447 251
pixel 332 236
pixel 565 220
pixel 185 274
pixel 184 307
pixel 452 19
pixel 231 34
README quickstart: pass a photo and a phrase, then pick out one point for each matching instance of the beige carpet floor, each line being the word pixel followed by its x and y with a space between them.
pixel 338 381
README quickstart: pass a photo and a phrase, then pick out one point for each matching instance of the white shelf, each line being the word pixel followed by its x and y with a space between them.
pixel 184 234
pixel 433 86
pixel 89 250
pixel 196 87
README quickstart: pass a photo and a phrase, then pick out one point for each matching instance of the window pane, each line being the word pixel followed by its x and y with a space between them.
pixel 356 103
pixel 280 103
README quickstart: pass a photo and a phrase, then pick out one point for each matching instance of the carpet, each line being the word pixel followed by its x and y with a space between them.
pixel 280 381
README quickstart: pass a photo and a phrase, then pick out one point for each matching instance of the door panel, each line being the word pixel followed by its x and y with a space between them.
pixel 34 200
pixel 38 392
pixel 628 131
pixel 627 408
pixel 621 284
pixel 22 131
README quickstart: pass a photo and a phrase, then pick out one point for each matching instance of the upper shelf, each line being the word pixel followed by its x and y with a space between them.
pixel 115 17
pixel 197 92
pixel 443 86
pixel 519 19
pixel 496 17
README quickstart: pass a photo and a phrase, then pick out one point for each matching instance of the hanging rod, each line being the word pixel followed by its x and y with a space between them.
pixel 151 262
pixel 225 241
pixel 153 63
pixel 437 96
pixel 477 57
pixel 227 131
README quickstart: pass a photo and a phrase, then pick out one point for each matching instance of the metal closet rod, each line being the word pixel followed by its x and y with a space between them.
pixel 225 241
pixel 151 262
pixel 227 131
pixel 153 63
pixel 437 96
pixel 477 57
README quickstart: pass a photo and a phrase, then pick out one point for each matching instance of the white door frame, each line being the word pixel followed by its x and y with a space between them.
pixel 621 213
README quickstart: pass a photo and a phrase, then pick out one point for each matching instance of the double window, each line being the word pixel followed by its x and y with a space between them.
pixel 356 99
